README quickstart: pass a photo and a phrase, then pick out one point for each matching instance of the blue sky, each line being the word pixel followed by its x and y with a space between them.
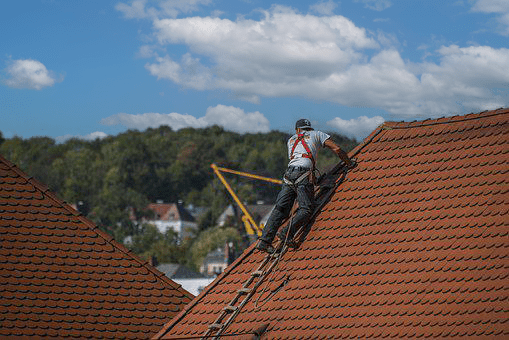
pixel 93 68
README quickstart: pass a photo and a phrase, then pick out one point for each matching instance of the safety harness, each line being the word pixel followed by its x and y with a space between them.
pixel 308 154
pixel 300 139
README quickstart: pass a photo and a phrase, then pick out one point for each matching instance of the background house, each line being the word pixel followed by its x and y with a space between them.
pixel 217 260
pixel 189 279
pixel 172 216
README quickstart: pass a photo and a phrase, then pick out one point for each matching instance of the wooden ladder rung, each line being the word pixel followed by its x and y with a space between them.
pixel 244 291
pixel 218 327
pixel 230 309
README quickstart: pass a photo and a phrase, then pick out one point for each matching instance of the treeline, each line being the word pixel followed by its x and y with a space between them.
pixel 115 178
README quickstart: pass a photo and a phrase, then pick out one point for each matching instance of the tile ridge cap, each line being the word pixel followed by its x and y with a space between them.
pixel 7 162
pixel 108 238
pixel 29 179
pixel 368 139
pixel 450 120
pixel 177 318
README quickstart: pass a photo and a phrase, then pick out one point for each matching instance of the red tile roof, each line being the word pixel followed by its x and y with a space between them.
pixel 170 212
pixel 413 243
pixel 60 276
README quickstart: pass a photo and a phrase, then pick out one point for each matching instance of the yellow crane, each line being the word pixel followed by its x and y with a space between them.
pixel 249 223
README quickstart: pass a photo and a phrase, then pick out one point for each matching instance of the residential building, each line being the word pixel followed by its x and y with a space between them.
pixel 173 216
pixel 189 279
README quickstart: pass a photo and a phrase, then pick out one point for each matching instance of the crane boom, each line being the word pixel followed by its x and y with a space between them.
pixel 245 174
pixel 249 223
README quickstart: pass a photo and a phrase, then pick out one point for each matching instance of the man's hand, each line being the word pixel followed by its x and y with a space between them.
pixel 352 164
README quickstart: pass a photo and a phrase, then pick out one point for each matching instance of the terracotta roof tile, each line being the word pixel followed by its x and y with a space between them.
pixel 62 277
pixel 413 243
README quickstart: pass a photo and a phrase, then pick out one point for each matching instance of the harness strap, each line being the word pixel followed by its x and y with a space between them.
pixel 298 180
pixel 309 154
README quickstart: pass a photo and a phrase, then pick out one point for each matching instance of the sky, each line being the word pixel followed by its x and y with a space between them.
pixel 89 69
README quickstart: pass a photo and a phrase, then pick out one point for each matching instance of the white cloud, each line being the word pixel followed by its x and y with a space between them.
pixel 138 9
pixel 327 58
pixel 491 6
pixel 150 51
pixel 376 5
pixel 28 74
pixel 189 73
pixel 324 7
pixel 275 56
pixel 92 136
pixel 229 117
pixel 500 7
pixel 358 128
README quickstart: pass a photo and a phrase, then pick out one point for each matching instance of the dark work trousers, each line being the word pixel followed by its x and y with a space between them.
pixel 303 192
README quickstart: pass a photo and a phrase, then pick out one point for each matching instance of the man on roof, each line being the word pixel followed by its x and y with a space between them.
pixel 298 183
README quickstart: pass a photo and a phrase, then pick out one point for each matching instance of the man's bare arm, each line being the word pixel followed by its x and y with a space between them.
pixel 341 154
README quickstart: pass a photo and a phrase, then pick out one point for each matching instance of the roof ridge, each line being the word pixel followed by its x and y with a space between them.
pixel 392 125
pixel 108 238
pixel 446 120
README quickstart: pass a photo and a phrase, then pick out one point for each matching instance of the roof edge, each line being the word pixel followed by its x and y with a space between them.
pixel 108 238
pixel 446 120
pixel 367 140
pixel 392 125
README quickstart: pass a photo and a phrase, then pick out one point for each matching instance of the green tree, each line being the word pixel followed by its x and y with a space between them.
pixel 118 206
pixel 166 248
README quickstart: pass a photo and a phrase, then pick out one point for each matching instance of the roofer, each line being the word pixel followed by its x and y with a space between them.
pixel 298 183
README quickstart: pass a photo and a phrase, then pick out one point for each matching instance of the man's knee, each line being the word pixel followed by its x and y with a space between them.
pixel 279 209
pixel 305 212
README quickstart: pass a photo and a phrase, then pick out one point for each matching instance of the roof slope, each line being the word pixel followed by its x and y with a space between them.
pixel 60 276
pixel 413 243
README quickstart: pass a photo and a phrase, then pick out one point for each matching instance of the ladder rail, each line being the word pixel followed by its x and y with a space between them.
pixel 259 273
pixel 248 297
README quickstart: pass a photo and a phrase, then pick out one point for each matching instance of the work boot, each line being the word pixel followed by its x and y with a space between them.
pixel 290 243
pixel 282 235
pixel 265 246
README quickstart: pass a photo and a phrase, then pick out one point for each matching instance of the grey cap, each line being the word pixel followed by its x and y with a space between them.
pixel 303 124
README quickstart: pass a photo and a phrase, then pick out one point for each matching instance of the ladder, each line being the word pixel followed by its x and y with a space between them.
pixel 244 294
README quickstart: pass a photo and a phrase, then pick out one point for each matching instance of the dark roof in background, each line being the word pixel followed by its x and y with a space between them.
pixel 215 256
pixel 178 271
pixel 413 243
pixel 60 276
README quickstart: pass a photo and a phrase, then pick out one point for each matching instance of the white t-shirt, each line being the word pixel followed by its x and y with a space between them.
pixel 314 140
